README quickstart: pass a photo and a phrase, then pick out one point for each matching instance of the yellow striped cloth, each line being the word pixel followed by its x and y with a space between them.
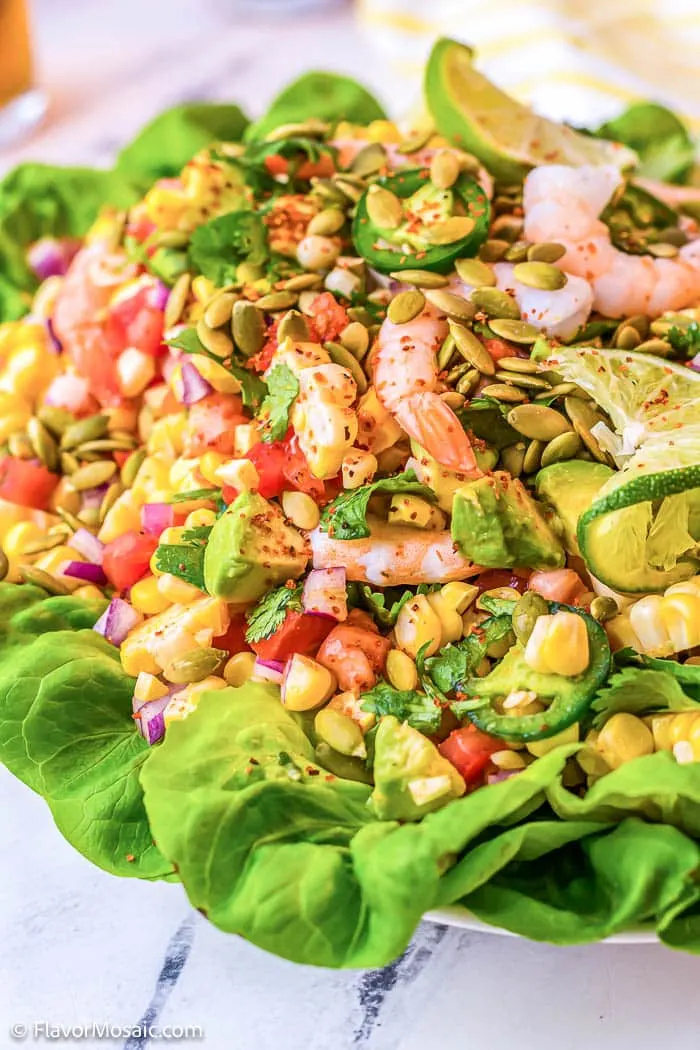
pixel 578 60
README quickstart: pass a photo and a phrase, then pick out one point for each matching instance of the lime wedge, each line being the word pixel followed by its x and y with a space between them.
pixel 507 137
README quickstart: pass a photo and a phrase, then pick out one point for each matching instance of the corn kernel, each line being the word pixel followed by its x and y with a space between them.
pixel 647 623
pixel 148 687
pixel 538 748
pixel 147 597
pixel 176 591
pixel 508 760
pixel 201 517
pixel 207 465
pixel 245 435
pixel 135 370
pixel 660 726
pixel 207 685
pixel 681 618
pixel 621 633
pixel 89 593
pixel 123 516
pixel 558 645
pixel 203 289
pixel 401 670
pixel 301 509
pixel 239 668
pixel 153 475
pixel 184 474
pixel 168 434
pixel 418 625
pixel 54 561
pixel 450 619
pixel 384 131
pixel 623 738
pixel 307 684
pixel 459 595
pixel 358 468
pixel 219 377
pixel 351 705
pixel 240 473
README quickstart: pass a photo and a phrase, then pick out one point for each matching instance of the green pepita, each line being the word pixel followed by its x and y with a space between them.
pixel 405 307
pixel 351 188
pixel 454 306
pixel 449 230
pixel 274 301
pixel 559 390
pixel 444 169
pixel 384 208
pixel 583 418
pixel 20 446
pixel 533 456
pixel 361 315
pixel 340 355
pixel 46 580
pixel 420 278
pixel 92 475
pixel 495 303
pixel 69 462
pixel 370 160
pixel 527 611
pixel 293 326
pixel 55 419
pixel 132 466
pixel 216 342
pixel 218 312
pixel 515 332
pixel 546 252
pixel 177 300
pixel 493 250
pixel 660 347
pixel 415 142
pixel 355 338
pixel 328 191
pixel 627 337
pixel 538 421
pixel 517 253
pixel 68 516
pixel 521 379
pixel 46 447
pixel 454 399
pixel 638 321
pixel 303 281
pixel 475 273
pixel 446 353
pixel 561 448
pixel 307 129
pixel 540 275
pixel 512 459
pixel 89 429
pixel 4 564
pixel 194 666
pixel 248 327
pixel 472 349
pixel 468 381
pixel 110 498
pixel 90 517
pixel 327 222
pixel 504 392
pixel 663 250
pixel 508 228
pixel 47 543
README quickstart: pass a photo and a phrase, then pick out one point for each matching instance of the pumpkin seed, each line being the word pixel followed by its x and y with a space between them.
pixel 420 278
pixel 559 390
pixel 522 365
pixel 527 382
pixel 4 564
pixel 540 275
pixel 69 517
pixel 475 273
pixel 638 321
pixel 306 303
pixel 293 326
pixel 515 332
pixel 517 253
pixel 384 208
pixel 627 337
pixel 493 250
pixel 47 543
pixel 54 419
pixel 546 252
pixel 538 421
pixel 508 228
pixel 169 239
pixel 249 273
pixel 503 392
pixel 528 609
pixel 90 517
pixel 456 228
pixel 446 353
pixel 660 347
pixel 327 222
pixel 131 467
pixel 302 281
pixel 46 580
pixel 495 303
pixel 468 163
pixel 457 372
pixel 307 129
pixel 340 355
pixel 532 457
pixel 444 169
pixel 111 496
pixel 93 474
pixel 416 141
pixel 454 306
pixel 566 446
pixel 113 444
pixel 663 250
pixel 328 191
pixel 69 462
pixel 472 349
pixel 603 608
pixel 248 327
pixel 349 188
pixel 361 315
pixel 355 338
pixel 468 381
pixel 194 666
pixel 583 417
pixel 89 429
pixel 20 446
pixel 46 447
pixel 177 300
pixel 218 312
pixel 370 160
pixel 453 399
pixel 275 301
pixel 405 307
pixel 217 343
pixel 512 459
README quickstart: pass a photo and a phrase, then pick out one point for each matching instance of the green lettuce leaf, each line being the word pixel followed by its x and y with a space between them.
pixel 661 139
pixel 346 517
pixel 66 728
pixel 165 145
pixel 219 246
pixel 639 692
pixel 318 96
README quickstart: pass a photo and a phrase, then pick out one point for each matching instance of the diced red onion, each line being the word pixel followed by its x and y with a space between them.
pixel 194 385
pixel 50 257
pixel 155 517
pixel 694 363
pixel 325 594
pixel 150 718
pixel 269 670
pixel 85 543
pixel 503 774
pixel 170 361
pixel 117 620
pixel 69 391
pixel 92 498
pixel 85 570
pixel 55 343
pixel 159 295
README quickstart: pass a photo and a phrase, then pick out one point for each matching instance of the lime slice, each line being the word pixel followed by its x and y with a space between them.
pixel 641 533
pixel 506 136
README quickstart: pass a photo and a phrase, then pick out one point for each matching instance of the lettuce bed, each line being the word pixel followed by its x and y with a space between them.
pixel 270 846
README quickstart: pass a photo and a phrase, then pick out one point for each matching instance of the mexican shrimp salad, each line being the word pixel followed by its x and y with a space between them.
pixel 350 515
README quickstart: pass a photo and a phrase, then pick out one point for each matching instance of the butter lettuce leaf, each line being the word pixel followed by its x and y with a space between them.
pixel 318 96
pixel 172 138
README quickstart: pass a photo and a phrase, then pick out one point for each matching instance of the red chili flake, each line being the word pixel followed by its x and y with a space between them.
pixel 130 857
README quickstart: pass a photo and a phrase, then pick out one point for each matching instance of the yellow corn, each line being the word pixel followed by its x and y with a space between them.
pixel 661 625
pixel 197 518
pixel 147 597
pixel 168 434
pixel 384 131
pixel 53 562
pixel 184 474
pixel 450 620
pixel 623 738
pixel 401 670
pixel 175 591
pixel 148 687
pixel 89 593
pixel 417 625
pixel 508 759
pixel 301 509
pixel 414 511
pixel 538 748
pixel 307 684
pixel 135 370
pixel 215 373
pixel 14 420
pixel 123 516
pixel 156 642
pixel 351 705
pixel 239 668
pixel 679 733
pixel 621 633
pixel 340 732
pixel 209 464
pixel 19 536
pixel 459 595
pixel 358 468
pixel 245 435
pixel 240 473
pixel 29 370
pixel 558 645
pixel 203 289
pixel 378 430
pixel 153 476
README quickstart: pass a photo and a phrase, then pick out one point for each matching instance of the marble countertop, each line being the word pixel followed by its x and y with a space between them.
pixel 78 947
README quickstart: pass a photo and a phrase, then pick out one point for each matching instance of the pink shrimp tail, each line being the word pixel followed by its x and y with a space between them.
pixel 432 423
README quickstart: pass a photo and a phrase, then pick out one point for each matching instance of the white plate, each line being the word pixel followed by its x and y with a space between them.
pixel 457 916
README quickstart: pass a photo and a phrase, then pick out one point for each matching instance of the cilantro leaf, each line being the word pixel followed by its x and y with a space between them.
pixel 379 603
pixel 218 247
pixel 193 494
pixel 486 419
pixel 188 341
pixel 186 561
pixel 419 710
pixel 271 611
pixel 253 389
pixel 685 341
pixel 639 691
pixel 687 674
pixel 282 389
pixel 346 517
pixel 454 663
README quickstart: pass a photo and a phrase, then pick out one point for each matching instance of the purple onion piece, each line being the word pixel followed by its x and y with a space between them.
pixel 325 593
pixel 150 719
pixel 51 257
pixel 194 385
pixel 85 543
pixel 117 620
pixel 92 498
pixel 269 670
pixel 155 517
pixel 159 295
pixel 503 774
pixel 85 570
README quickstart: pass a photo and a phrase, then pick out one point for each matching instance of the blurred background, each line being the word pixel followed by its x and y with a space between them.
pixel 102 68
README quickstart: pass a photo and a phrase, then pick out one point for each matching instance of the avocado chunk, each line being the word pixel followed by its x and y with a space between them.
pixel 567 490
pixel 496 523
pixel 411 510
pixel 252 549
pixel 411 778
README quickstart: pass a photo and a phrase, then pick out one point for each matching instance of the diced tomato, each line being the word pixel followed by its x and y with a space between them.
pixel 516 578
pixel 300 633
pixel 297 472
pixel 140 227
pixel 262 360
pixel 211 423
pixel 328 316
pixel 322 168
pixel 29 484
pixel 134 318
pixel 469 750
pixel 499 348
pixel 126 559
pixel 234 638
pixel 355 655
pixel 269 459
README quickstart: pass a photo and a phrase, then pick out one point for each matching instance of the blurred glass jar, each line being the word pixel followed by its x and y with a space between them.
pixel 22 104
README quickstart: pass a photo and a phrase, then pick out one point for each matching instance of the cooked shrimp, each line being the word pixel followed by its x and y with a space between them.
pixel 406 378
pixel 564 204
pixel 393 555
pixel 355 655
